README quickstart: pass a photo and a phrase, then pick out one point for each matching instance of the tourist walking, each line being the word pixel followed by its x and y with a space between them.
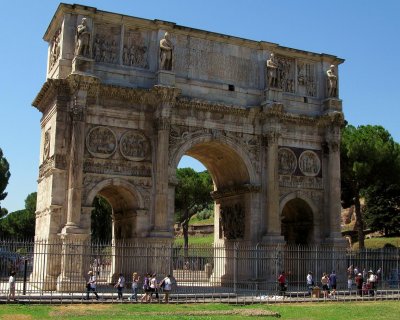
pixel 120 286
pixel 91 285
pixel 11 286
pixel 166 285
pixel 153 286
pixel 135 286
pixel 146 297
pixel 359 283
pixel 325 284
pixel 372 282
pixel 310 282
pixel 282 283
pixel 332 282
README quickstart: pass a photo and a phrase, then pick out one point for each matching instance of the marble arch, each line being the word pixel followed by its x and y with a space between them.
pixel 123 102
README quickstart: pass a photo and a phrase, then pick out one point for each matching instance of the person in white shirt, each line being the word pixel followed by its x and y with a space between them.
pixel 91 285
pixel 11 286
pixel 153 286
pixel 310 282
pixel 120 285
pixel 166 284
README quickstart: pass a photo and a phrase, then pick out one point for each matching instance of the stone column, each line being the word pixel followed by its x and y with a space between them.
pixel 334 188
pixel 161 199
pixel 273 234
pixel 81 84
pixel 166 96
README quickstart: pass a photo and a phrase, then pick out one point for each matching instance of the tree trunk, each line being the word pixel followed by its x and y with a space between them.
pixel 359 223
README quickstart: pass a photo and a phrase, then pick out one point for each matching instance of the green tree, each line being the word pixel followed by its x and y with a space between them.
pixel 101 220
pixel 192 194
pixel 21 224
pixel 369 156
pixel 382 209
pixel 4 177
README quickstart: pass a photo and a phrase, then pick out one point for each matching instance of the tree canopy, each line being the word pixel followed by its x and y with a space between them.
pixel 20 224
pixel 192 194
pixel 101 220
pixel 4 177
pixel 369 157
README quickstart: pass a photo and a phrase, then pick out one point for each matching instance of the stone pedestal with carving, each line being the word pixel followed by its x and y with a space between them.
pixel 82 65
pixel 73 252
pixel 272 95
pixel 166 78
pixel 332 105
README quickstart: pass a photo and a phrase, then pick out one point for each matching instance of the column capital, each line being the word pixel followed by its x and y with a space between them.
pixel 271 137
pixel 163 123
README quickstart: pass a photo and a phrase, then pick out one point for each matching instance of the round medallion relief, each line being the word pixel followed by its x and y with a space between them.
pixel 287 161
pixel 309 163
pixel 134 146
pixel 101 142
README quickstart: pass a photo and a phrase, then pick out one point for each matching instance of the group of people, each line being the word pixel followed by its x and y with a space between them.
pixel 365 281
pixel 150 287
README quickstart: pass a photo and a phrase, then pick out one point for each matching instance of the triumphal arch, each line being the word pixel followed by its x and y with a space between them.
pixel 125 98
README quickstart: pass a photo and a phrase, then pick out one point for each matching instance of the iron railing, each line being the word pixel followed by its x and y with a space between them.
pixel 230 269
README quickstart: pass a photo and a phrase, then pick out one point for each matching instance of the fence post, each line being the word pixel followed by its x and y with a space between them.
pixel 235 256
pixel 25 275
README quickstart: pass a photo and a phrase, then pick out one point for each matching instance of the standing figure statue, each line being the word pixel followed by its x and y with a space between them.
pixel 272 71
pixel 332 81
pixel 82 47
pixel 166 48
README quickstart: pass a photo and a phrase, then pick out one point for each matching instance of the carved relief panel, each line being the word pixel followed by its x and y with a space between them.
pixel 106 43
pixel 134 146
pixel 299 168
pixel 306 79
pixel 135 50
pixel 286 71
pixel 55 48
pixel 287 161
pixel 211 60
pixel 309 163
pixel 232 221
pixel 101 142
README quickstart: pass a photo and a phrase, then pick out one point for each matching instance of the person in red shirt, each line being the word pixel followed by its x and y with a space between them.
pixel 282 283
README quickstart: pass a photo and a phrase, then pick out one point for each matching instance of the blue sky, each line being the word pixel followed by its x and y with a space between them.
pixel 365 33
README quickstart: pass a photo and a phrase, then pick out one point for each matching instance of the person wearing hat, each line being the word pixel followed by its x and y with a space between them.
pixel 91 285
pixel 371 281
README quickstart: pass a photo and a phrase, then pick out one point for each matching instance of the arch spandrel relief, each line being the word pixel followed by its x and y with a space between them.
pixel 287 161
pixel 134 146
pixel 101 142
pixel 309 163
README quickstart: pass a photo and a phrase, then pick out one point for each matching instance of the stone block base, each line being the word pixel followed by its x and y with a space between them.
pixel 166 78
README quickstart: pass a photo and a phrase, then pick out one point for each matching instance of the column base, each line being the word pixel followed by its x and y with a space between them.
pixel 73 283
pixel 336 239
pixel 273 239
pixel 161 235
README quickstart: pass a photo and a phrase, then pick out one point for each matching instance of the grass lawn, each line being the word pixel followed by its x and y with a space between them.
pixel 344 311
pixel 197 240
pixel 379 242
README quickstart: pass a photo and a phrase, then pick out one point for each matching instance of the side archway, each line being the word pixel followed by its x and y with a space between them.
pixel 125 201
pixel 297 219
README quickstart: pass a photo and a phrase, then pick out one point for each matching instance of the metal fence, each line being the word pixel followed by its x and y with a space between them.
pixel 228 269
